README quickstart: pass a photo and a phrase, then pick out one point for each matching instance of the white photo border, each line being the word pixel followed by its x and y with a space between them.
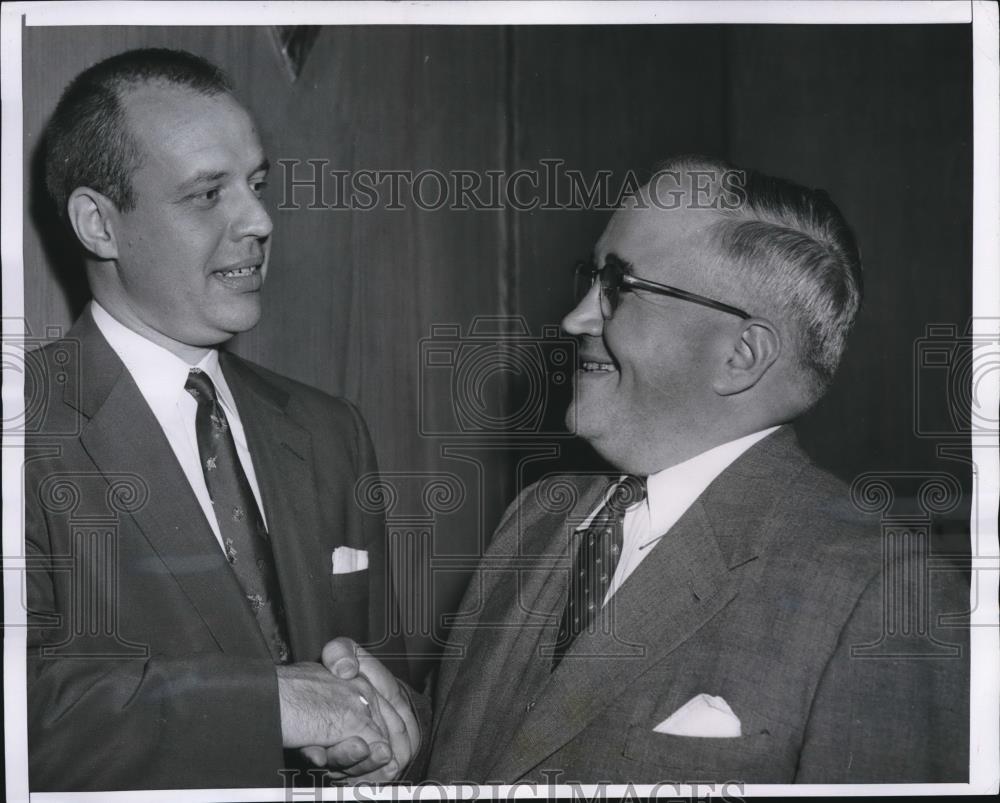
pixel 985 634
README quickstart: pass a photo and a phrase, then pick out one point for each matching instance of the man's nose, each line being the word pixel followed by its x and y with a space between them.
pixel 586 317
pixel 252 219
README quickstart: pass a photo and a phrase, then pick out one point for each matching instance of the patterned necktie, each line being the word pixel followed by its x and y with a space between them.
pixel 596 558
pixel 243 532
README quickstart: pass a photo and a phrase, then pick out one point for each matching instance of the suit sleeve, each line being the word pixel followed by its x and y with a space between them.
pixel 898 712
pixel 188 721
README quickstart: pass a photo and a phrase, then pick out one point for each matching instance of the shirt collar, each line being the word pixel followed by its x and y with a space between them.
pixel 159 373
pixel 673 490
pixel 677 487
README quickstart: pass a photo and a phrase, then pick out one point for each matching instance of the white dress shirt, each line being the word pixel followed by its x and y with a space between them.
pixel 161 376
pixel 669 493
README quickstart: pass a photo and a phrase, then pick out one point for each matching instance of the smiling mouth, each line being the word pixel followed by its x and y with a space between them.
pixel 237 273
pixel 594 366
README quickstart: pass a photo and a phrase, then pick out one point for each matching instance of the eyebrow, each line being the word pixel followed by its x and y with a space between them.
pixel 210 176
pixel 626 265
pixel 202 177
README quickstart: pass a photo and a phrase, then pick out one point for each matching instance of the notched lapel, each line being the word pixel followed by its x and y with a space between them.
pixel 536 540
pixel 123 436
pixel 521 589
pixel 692 575
pixel 282 456
pixel 670 596
pixel 536 553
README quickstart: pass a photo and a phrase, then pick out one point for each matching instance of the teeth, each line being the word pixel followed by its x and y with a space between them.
pixel 598 366
pixel 232 274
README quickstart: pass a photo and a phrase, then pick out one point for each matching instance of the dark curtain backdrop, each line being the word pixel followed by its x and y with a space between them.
pixel 880 116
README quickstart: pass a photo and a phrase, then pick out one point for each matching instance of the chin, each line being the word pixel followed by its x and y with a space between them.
pixel 612 445
pixel 621 456
pixel 219 332
pixel 583 423
pixel 572 417
pixel 243 326
pixel 238 321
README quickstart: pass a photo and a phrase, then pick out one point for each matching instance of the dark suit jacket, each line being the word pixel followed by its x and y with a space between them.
pixel 146 668
pixel 757 595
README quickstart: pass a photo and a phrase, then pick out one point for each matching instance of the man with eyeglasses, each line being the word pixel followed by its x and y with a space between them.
pixel 701 614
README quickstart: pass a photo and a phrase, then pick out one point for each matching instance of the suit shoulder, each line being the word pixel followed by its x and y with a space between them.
pixel 819 538
pixel 54 382
pixel 301 397
pixel 55 357
pixel 825 507
pixel 776 493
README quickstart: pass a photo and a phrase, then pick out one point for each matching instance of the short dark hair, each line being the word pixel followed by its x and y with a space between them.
pixel 87 141
pixel 794 252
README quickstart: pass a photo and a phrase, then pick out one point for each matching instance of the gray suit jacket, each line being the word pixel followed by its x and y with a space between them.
pixel 146 667
pixel 757 595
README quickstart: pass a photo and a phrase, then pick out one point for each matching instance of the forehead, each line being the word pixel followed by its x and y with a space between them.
pixel 657 241
pixel 176 124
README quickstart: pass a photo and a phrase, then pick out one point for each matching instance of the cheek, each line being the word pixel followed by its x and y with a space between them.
pixel 183 254
pixel 663 355
pixel 173 235
pixel 142 249
pixel 170 279
pixel 658 374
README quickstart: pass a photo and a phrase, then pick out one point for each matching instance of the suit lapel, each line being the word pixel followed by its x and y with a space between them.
pixel 691 575
pixel 282 456
pixel 122 436
pixel 532 548
pixel 508 604
pixel 673 592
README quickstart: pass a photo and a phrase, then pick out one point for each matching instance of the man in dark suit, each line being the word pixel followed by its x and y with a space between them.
pixel 712 611
pixel 191 525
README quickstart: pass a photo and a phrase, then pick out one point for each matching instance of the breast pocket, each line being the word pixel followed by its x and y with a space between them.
pixel 350 604
pixel 757 757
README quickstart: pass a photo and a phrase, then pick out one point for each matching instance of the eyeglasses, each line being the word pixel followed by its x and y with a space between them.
pixel 615 279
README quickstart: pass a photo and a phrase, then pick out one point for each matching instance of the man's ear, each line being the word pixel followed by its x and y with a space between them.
pixel 90 215
pixel 756 350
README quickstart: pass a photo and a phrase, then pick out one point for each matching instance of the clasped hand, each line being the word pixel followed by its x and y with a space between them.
pixel 348 714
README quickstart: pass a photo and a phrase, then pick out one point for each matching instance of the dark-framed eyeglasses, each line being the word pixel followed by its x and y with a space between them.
pixel 616 279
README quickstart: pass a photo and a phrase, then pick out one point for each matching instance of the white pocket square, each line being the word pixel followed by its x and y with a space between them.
pixel 703 715
pixel 348 559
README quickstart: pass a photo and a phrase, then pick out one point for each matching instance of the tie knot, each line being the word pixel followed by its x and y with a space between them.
pixel 200 386
pixel 629 491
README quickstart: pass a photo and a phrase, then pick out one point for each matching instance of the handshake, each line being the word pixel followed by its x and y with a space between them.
pixel 348 714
